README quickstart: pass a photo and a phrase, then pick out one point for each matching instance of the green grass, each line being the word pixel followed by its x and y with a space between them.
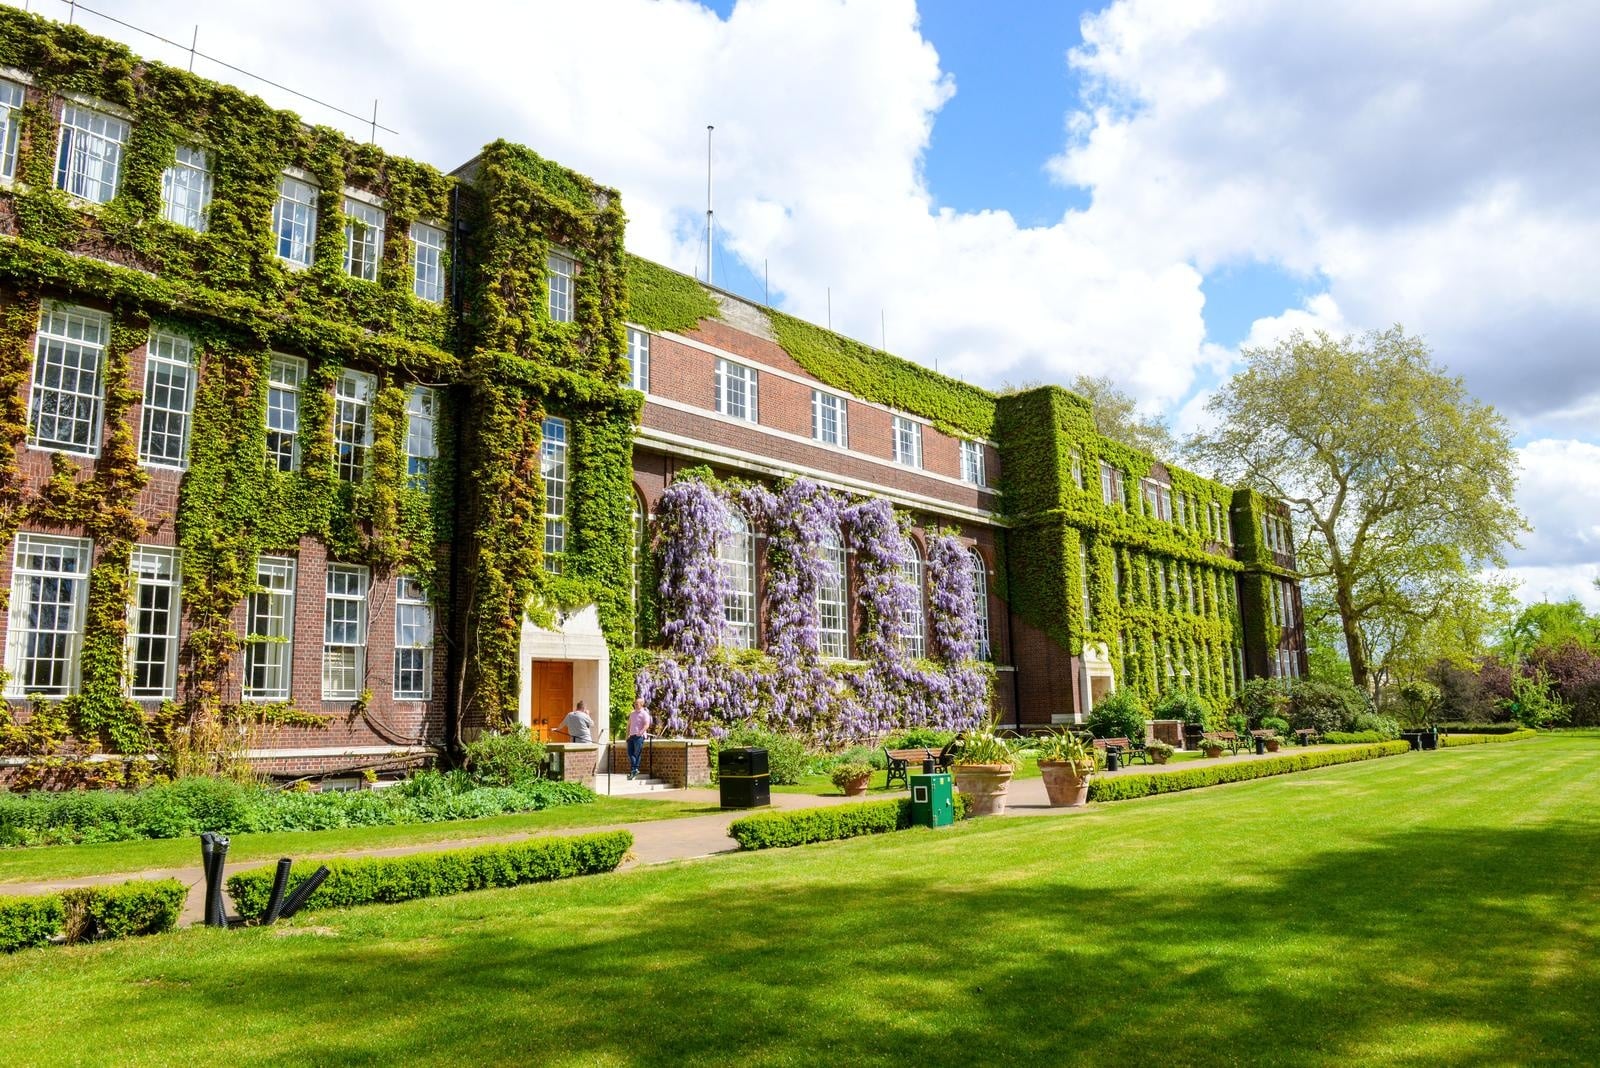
pixel 1434 908
pixel 36 863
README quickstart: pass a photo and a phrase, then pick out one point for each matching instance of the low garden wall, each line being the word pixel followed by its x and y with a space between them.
pixel 682 762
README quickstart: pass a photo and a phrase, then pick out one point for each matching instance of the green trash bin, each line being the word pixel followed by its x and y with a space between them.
pixel 933 800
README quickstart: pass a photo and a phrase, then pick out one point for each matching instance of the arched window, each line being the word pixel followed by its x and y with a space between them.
pixel 916 619
pixel 738 556
pixel 980 605
pixel 640 547
pixel 833 609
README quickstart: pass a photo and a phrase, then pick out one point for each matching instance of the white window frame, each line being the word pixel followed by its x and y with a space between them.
pixel 830 419
pixel 737 556
pixel 70 346
pixel 560 272
pixel 737 386
pixel 1157 499
pixel 980 605
pixel 285 377
pixel 153 627
pixel 1110 484
pixel 89 153
pixel 972 463
pixel 353 395
pixel 907 442
pixel 427 262
pixel 914 622
pixel 167 407
pixel 269 649
pixel 186 189
pixel 833 599
pixel 1077 467
pixel 413 639
pixel 639 359
pixel 40 596
pixel 1083 583
pixel 363 239
pixel 344 631
pixel 12 95
pixel 554 457
pixel 422 436
pixel 294 221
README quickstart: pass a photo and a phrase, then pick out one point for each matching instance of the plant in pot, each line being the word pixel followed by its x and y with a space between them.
pixel 1066 764
pixel 1212 748
pixel 1160 752
pixel 1278 724
pixel 983 766
pixel 852 778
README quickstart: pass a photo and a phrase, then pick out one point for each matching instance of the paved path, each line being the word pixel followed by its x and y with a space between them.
pixel 654 841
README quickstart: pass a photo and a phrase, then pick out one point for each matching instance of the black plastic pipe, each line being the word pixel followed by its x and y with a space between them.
pixel 297 899
pixel 280 884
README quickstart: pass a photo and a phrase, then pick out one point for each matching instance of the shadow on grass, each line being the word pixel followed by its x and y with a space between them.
pixel 1422 946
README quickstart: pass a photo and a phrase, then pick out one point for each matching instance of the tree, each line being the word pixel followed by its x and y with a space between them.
pixel 1117 416
pixel 1549 624
pixel 1399 480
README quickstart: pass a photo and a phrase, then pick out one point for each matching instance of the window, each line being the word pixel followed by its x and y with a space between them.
pixel 363 239
pixel 352 424
pixel 68 387
pixel 736 390
pixel 980 605
pixel 1116 572
pixel 422 444
pixel 1178 502
pixel 10 124
pixel 1157 500
pixel 907 441
pixel 1077 468
pixel 641 543
pixel 828 419
pixel 427 262
pixel 1083 583
pixel 833 609
pixel 294 221
pixel 559 271
pixel 49 591
pixel 737 554
pixel 344 632
pixel 413 640
pixel 639 359
pixel 914 623
pixel 168 401
pixel 972 463
pixel 186 189
pixel 91 153
pixel 284 375
pixel 269 631
pixel 553 463
pixel 153 623
pixel 1110 484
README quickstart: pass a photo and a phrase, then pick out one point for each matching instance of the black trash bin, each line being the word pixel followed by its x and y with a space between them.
pixel 743 778
pixel 1261 746
pixel 1113 758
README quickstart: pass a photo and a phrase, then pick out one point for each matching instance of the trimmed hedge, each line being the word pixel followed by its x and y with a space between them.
pixel 1124 787
pixel 92 913
pixel 776 830
pixel 1452 740
pixel 371 880
pixel 1355 737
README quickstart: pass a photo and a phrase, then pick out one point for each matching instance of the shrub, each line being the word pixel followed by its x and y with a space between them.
pixel 919 738
pixel 505 758
pixel 1123 787
pixel 770 830
pixel 1387 727
pixel 1419 702
pixel 29 921
pixel 984 747
pixel 1119 714
pixel 845 774
pixel 1355 737
pixel 824 763
pixel 1453 740
pixel 1259 698
pixel 1188 706
pixel 1277 723
pixel 369 880
pixel 140 907
pixel 786 753
pixel 1325 706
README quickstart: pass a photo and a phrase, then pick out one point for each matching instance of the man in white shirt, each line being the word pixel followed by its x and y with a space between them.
pixel 578 726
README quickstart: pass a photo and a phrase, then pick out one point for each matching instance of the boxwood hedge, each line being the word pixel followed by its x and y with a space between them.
pixel 1123 787
pixel 769 830
pixel 119 910
pixel 1452 740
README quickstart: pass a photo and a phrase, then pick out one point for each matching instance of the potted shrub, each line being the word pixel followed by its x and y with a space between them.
pixel 1160 752
pixel 1066 765
pixel 984 764
pixel 852 778
pixel 1278 724
pixel 1212 747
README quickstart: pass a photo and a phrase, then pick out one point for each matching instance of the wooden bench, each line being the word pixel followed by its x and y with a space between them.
pixel 899 762
pixel 1306 736
pixel 1265 734
pixel 1228 740
pixel 1125 747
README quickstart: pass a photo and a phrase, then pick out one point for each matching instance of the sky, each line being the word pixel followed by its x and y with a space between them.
pixel 1018 191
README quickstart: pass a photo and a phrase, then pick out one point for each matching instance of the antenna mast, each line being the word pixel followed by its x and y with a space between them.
pixel 708 204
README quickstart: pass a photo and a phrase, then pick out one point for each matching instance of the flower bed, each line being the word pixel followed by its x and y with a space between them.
pixel 140 907
pixel 1123 787
pixel 371 880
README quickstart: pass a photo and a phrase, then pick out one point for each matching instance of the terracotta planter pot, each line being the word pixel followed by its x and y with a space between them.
pixel 1065 784
pixel 985 786
pixel 1272 745
pixel 1213 751
pixel 1160 757
pixel 857 787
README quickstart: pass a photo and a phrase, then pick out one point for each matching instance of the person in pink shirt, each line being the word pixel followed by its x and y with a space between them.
pixel 638 729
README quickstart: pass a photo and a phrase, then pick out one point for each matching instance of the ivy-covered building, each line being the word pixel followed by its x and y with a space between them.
pixel 317 457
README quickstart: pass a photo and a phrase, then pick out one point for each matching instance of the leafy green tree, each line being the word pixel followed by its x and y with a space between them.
pixel 1116 415
pixel 1550 625
pixel 1401 482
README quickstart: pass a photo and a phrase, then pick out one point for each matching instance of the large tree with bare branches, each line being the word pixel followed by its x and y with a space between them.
pixel 1399 479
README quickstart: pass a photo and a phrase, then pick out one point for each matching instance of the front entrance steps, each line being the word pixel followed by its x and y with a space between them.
pixel 617 785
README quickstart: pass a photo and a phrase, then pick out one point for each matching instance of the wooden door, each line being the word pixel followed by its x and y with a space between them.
pixel 552 697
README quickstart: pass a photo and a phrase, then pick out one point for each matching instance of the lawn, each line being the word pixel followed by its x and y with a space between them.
pixel 35 863
pixel 1435 908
